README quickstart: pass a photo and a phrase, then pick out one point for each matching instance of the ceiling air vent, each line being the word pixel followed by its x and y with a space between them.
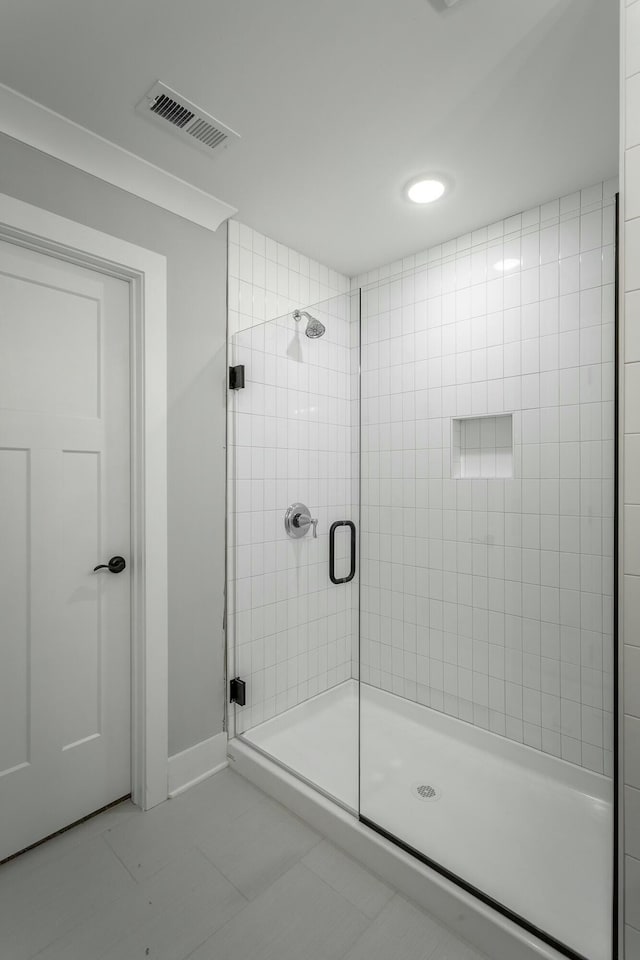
pixel 177 114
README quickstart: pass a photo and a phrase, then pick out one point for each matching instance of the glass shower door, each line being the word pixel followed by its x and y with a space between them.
pixel 293 490
pixel 486 675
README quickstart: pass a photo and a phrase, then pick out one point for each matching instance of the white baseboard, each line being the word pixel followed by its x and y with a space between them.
pixel 197 763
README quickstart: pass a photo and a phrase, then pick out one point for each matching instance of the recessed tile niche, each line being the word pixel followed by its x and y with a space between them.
pixel 482 447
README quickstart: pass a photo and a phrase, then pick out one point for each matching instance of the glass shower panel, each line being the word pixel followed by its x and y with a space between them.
pixel 487 501
pixel 293 490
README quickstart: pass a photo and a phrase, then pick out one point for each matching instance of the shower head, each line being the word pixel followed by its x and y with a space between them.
pixel 314 327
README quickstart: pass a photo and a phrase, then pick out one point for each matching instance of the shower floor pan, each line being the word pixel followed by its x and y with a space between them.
pixel 530 831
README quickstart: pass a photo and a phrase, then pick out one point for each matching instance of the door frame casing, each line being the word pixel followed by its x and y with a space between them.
pixel 146 273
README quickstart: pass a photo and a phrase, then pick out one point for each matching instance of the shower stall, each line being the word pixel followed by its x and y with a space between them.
pixel 421 559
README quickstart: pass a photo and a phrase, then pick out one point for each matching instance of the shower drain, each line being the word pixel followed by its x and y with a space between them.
pixel 426 791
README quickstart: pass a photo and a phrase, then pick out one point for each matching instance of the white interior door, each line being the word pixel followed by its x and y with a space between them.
pixel 64 507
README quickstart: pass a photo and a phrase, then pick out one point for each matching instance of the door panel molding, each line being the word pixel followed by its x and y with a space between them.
pixel 146 273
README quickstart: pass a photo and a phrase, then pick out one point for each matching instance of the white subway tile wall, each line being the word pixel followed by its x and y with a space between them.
pixel 492 598
pixel 290 439
pixel 630 514
pixel 267 279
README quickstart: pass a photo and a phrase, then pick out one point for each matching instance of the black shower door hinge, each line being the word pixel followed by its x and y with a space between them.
pixel 238 691
pixel 236 377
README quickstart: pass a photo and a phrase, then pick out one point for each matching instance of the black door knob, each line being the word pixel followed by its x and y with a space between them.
pixel 115 565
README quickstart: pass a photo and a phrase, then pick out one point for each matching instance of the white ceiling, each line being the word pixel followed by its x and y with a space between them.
pixel 340 102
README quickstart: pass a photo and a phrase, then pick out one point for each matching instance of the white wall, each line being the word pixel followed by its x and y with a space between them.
pixel 290 439
pixel 196 265
pixel 630 514
pixel 492 599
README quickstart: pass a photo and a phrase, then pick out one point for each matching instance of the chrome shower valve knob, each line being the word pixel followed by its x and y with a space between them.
pixel 297 521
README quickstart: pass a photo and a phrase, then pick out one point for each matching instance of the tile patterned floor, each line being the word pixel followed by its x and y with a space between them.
pixel 219 873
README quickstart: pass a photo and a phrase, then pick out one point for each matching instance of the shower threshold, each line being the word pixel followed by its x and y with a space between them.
pixel 530 831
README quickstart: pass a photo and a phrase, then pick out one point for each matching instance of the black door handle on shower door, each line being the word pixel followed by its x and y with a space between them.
pixel 332 551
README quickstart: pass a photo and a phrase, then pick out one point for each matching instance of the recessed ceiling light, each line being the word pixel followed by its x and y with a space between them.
pixel 425 190
pixel 503 266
